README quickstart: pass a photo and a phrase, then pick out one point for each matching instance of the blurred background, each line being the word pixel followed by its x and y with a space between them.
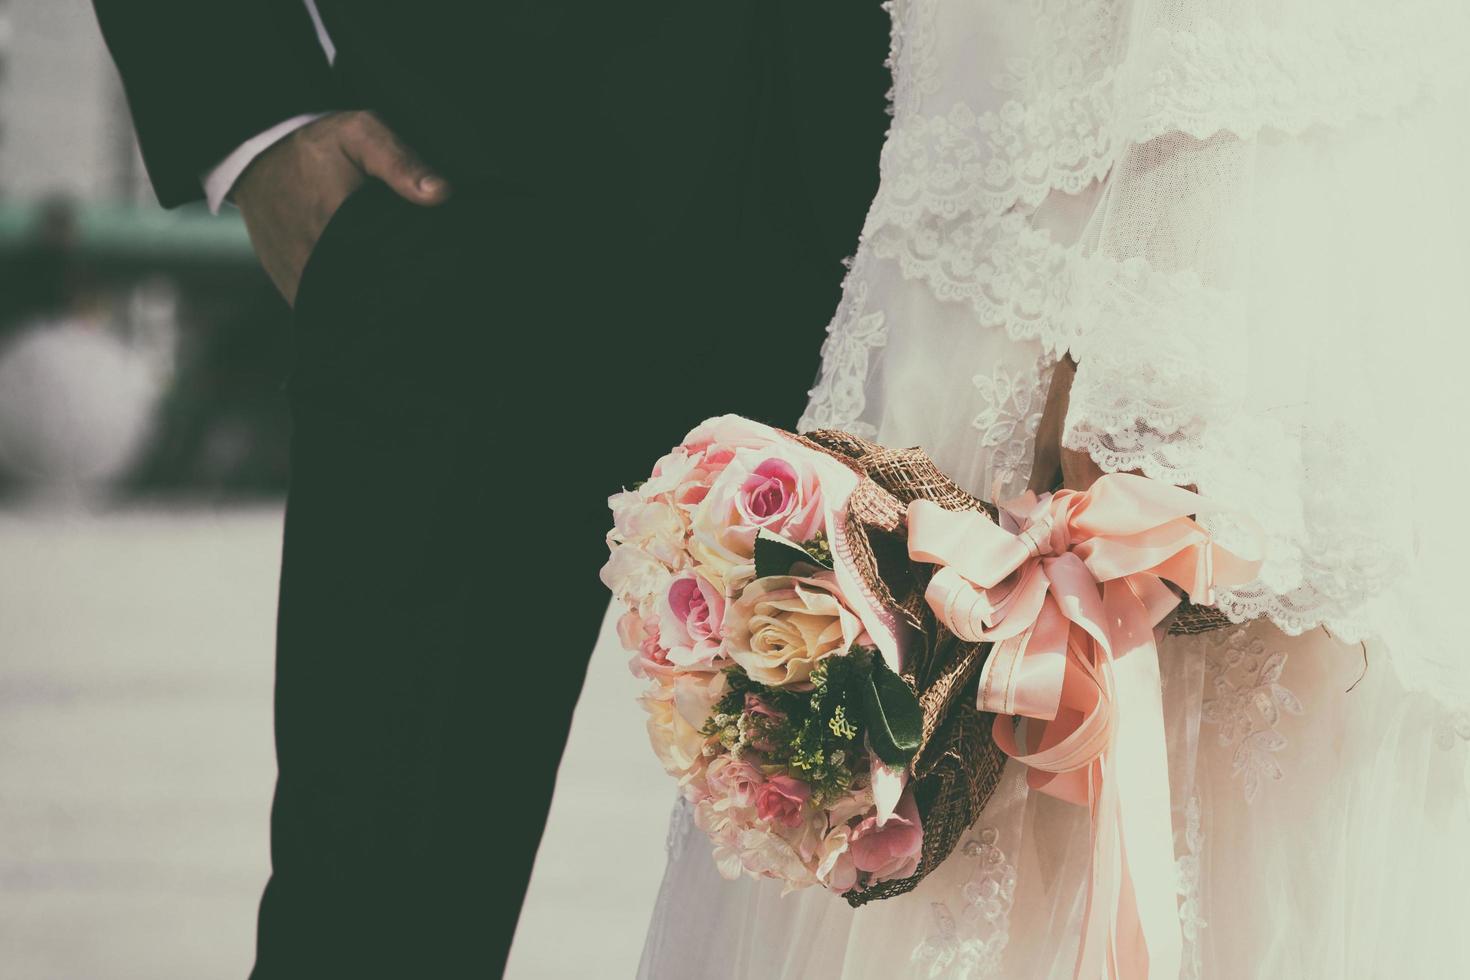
pixel 143 451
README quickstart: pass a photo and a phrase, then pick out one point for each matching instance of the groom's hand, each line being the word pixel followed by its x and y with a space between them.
pixel 290 191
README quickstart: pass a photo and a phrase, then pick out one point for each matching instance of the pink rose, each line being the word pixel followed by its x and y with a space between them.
pixel 892 850
pixel 691 621
pixel 735 781
pixel 709 448
pixel 781 799
pixel 773 489
pixel 754 705
pixel 775 497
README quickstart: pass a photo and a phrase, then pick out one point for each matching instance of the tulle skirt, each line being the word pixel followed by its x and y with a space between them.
pixel 1321 829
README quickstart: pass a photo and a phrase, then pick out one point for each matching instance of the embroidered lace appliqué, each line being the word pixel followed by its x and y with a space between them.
pixel 969 947
pixel 1191 917
pixel 1451 727
pixel 838 399
pixel 1012 403
pixel 1244 701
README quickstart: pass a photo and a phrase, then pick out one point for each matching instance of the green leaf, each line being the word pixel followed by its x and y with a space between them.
pixel 774 555
pixel 894 720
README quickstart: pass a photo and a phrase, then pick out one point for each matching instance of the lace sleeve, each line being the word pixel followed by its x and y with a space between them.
pixel 1244 220
pixel 1216 348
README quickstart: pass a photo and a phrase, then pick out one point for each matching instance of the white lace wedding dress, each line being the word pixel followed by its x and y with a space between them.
pixel 1247 221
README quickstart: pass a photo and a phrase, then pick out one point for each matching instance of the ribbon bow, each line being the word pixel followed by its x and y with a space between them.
pixel 1068 589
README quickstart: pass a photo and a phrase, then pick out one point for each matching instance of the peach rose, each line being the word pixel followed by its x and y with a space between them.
pixel 639 636
pixel 728 433
pixel 782 626
pixel 677 709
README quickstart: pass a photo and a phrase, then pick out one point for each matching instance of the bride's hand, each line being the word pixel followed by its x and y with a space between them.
pixel 1054 466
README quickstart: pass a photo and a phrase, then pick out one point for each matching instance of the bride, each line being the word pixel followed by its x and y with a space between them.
pixel 1244 222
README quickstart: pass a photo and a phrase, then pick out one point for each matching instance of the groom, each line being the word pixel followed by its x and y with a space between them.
pixel 528 244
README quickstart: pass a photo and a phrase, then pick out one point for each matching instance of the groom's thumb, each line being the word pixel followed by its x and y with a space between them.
pixel 381 154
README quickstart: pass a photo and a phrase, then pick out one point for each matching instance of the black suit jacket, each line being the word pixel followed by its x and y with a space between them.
pixel 641 99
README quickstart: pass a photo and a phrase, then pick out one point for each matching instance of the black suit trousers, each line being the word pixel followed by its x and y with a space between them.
pixel 471 383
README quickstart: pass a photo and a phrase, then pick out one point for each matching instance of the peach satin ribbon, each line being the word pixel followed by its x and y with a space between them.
pixel 1069 589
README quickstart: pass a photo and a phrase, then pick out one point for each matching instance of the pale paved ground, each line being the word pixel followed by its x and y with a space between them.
pixel 136 769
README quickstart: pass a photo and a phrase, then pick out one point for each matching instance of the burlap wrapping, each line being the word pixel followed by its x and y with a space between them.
pixel 958 765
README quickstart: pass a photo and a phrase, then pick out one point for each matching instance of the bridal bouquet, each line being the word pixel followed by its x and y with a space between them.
pixel 769 698
pixel 844 647
pixel 799 691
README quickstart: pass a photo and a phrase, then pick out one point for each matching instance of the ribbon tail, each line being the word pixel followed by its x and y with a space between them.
pixel 1147 935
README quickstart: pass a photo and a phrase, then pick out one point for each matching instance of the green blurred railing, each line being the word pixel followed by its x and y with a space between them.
pixel 187 234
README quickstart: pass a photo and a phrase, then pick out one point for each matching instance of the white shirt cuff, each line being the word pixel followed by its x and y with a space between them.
pixel 219 181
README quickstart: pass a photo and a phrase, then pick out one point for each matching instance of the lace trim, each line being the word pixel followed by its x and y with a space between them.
pixel 1324 556
pixel 1050 133
pixel 1011 274
pixel 1068 113
pixel 1147 414
pixel 971 947
pixel 911 56
pixel 1218 79
pixel 963 163
pixel 1330 569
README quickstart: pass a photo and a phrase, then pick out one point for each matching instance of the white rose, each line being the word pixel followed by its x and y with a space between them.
pixel 656 526
pixel 634 575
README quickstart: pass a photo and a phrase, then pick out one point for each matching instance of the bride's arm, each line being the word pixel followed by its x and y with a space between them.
pixel 1053 465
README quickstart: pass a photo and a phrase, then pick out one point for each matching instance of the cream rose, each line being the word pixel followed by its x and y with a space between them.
pixel 782 626
pixel 835 869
